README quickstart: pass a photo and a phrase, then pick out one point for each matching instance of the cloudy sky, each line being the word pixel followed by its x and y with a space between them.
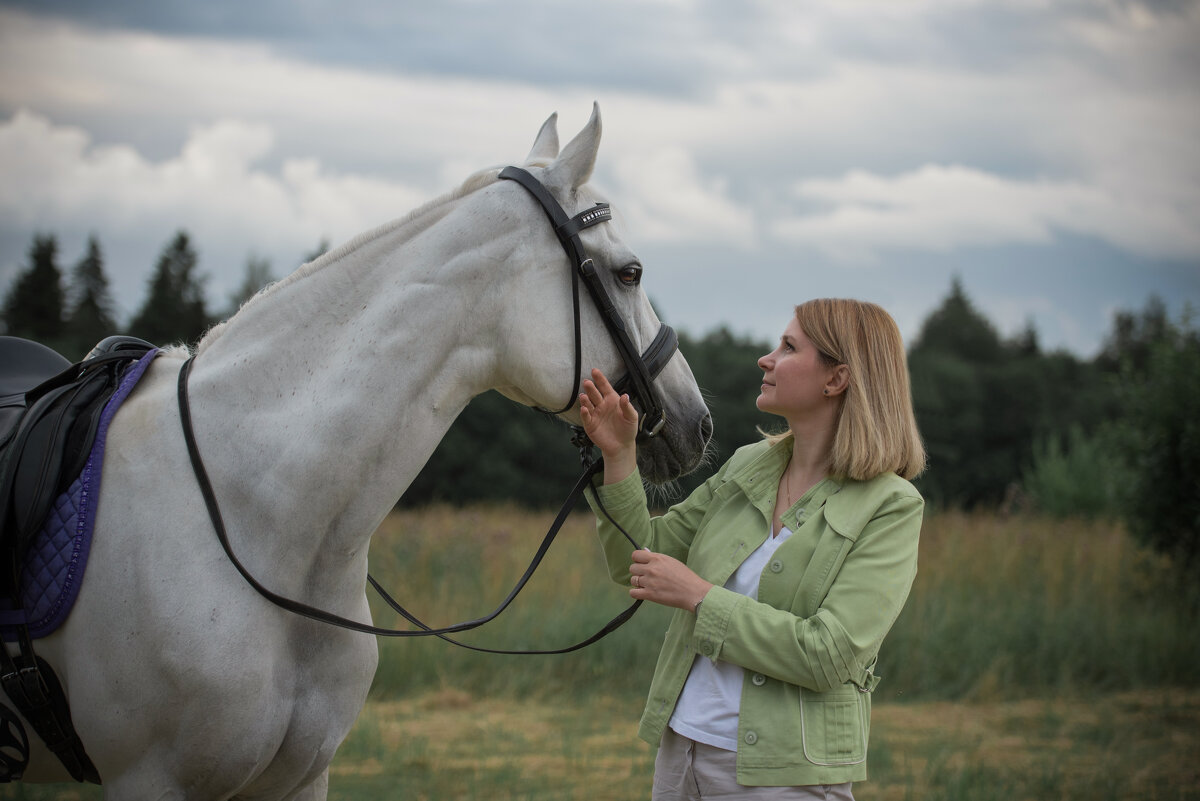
pixel 1045 152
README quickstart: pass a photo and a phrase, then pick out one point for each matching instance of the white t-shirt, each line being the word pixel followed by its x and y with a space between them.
pixel 707 709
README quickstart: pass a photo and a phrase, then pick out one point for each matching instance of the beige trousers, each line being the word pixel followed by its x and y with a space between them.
pixel 686 770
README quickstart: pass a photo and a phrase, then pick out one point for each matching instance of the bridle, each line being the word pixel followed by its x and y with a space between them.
pixel 641 369
pixel 638 381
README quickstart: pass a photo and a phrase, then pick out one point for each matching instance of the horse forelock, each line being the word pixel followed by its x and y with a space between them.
pixel 473 183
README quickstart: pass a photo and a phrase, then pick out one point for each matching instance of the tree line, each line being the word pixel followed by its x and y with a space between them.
pixel 1007 425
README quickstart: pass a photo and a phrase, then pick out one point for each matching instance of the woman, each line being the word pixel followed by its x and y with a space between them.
pixel 786 568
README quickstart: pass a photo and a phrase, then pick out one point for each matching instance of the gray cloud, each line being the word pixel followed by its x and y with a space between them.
pixel 880 147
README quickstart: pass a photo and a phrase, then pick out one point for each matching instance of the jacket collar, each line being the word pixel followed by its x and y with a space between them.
pixel 756 471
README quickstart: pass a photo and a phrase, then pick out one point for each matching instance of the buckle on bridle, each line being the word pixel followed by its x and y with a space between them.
pixel 651 429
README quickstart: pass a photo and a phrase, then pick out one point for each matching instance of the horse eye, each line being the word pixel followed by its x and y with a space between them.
pixel 630 276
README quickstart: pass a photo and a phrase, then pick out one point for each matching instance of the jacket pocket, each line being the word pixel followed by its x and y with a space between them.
pixel 833 726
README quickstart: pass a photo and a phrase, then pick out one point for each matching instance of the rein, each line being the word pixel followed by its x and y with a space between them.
pixel 641 370
pixel 323 616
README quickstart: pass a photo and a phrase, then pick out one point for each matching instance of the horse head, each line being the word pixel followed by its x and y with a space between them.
pixel 613 321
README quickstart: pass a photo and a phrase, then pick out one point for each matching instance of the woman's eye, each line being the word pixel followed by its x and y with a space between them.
pixel 630 276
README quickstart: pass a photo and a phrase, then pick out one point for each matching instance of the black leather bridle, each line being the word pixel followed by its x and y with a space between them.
pixel 641 370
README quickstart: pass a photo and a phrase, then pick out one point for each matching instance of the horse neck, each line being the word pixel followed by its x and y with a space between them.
pixel 327 394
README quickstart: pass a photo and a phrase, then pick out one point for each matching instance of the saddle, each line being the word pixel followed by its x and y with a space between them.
pixel 50 412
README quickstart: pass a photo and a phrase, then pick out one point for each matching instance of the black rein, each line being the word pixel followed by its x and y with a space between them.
pixel 323 616
pixel 641 370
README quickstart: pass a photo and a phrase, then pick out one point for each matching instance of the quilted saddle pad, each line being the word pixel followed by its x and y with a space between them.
pixel 53 568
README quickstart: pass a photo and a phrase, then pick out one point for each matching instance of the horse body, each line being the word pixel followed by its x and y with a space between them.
pixel 314 408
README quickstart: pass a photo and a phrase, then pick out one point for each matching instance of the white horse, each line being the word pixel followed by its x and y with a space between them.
pixel 315 406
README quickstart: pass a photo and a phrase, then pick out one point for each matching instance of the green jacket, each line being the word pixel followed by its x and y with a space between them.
pixel 825 601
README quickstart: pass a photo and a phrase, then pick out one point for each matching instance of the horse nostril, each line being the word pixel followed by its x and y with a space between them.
pixel 706 428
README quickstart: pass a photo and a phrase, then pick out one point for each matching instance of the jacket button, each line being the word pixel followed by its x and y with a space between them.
pixel 751 738
pixel 776 566
pixel 759 679
pixel 706 647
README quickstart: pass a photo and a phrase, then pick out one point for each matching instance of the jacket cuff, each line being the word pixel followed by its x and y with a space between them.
pixel 628 493
pixel 712 621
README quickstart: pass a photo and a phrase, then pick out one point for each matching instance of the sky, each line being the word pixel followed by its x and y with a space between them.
pixel 1044 153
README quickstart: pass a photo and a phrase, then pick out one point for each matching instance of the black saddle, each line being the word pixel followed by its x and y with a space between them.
pixel 49 413
pixel 49 416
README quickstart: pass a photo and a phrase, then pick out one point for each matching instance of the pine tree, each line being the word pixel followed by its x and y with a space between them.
pixel 957 328
pixel 976 401
pixel 174 310
pixel 90 317
pixel 33 307
pixel 258 275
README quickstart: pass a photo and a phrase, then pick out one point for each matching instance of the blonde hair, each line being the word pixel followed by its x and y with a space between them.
pixel 876 429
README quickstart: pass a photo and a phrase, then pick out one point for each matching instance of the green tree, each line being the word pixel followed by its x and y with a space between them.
pixel 957 329
pixel 963 395
pixel 33 307
pixel 90 317
pixel 726 369
pixel 1159 435
pixel 174 310
pixel 982 402
pixel 1134 337
pixel 500 452
pixel 1075 475
pixel 256 276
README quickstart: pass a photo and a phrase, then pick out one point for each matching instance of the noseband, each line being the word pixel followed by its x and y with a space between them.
pixel 640 368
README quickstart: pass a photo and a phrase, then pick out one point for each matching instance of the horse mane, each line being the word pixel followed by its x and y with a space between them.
pixel 473 183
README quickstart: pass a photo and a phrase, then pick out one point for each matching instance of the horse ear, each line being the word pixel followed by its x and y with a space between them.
pixel 545 147
pixel 573 168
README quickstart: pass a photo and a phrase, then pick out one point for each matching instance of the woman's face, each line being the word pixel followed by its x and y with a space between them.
pixel 794 376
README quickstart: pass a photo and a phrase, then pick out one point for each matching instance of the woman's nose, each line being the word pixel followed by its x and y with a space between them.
pixel 764 361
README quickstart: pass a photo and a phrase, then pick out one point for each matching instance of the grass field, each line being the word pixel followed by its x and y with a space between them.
pixel 449 745
pixel 1036 659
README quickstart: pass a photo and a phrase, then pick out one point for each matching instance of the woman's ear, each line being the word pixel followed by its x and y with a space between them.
pixel 838 381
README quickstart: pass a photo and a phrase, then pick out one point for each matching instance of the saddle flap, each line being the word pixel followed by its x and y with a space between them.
pixel 54 449
pixel 47 443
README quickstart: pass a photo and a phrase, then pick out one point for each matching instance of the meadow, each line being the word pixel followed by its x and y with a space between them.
pixel 1036 659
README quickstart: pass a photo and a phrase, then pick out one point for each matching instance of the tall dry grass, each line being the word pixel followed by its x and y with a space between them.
pixel 1028 605
pixel 1005 607
pixel 447 565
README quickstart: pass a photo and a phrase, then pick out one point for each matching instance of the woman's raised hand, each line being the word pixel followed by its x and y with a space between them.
pixel 611 423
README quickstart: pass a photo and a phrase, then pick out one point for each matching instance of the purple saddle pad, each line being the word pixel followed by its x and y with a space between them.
pixel 54 565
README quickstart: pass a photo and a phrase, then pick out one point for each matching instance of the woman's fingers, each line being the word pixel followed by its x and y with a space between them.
pixel 601 381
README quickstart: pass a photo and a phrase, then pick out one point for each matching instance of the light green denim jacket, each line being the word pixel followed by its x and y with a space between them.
pixel 825 601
